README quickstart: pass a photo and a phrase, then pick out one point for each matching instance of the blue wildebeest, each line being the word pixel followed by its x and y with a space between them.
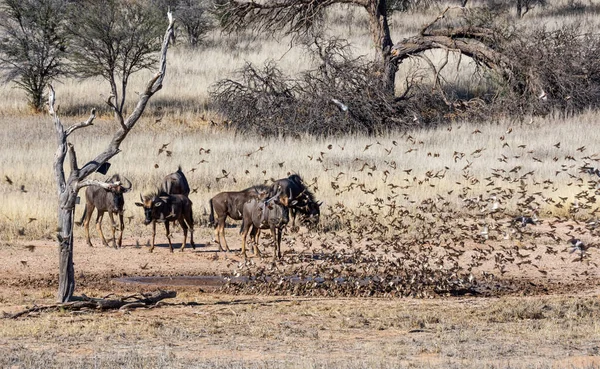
pixel 163 208
pixel 298 198
pixel 267 214
pixel 231 204
pixel 175 184
pixel 109 199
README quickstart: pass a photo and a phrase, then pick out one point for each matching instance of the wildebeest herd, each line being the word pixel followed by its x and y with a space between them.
pixel 258 207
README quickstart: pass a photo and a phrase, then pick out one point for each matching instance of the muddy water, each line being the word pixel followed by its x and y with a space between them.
pixel 211 281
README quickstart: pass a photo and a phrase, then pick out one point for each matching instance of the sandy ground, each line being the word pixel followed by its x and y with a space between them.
pixel 527 325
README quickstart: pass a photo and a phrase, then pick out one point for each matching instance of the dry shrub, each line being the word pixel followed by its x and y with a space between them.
pixel 553 70
pixel 528 71
pixel 341 95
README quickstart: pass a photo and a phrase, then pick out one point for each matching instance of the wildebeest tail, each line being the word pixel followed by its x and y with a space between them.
pixel 211 217
pixel 82 217
pixel 185 187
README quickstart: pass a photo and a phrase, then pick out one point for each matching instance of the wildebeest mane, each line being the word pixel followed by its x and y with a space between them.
pixel 157 192
pixel 298 181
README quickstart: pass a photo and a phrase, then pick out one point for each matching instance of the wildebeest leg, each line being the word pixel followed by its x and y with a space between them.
pixel 293 213
pixel 99 226
pixel 247 226
pixel 153 234
pixel 221 229
pixel 113 227
pixel 189 219
pixel 275 242
pixel 168 235
pixel 89 209
pixel 255 246
pixel 185 228
pixel 121 226
pixel 279 232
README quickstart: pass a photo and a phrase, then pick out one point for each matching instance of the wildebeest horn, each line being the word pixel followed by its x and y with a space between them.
pixel 290 194
pixel 128 187
pixel 274 196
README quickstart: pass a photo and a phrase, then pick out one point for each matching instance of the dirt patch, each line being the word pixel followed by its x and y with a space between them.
pixel 34 265
pixel 537 319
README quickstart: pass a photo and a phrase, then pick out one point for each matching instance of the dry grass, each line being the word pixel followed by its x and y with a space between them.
pixel 396 165
pixel 313 333
pixel 191 72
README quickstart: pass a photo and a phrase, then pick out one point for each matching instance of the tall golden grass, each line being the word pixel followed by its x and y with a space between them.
pixel 401 166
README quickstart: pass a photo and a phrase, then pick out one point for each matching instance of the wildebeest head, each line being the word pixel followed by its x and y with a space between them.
pixel 312 212
pixel 154 206
pixel 117 187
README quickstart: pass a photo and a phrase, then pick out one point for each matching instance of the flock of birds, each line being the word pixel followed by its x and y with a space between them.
pixel 483 231
pixel 478 230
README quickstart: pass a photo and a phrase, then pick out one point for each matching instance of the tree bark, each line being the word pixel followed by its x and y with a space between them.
pixel 66 275
pixel 380 31
pixel 142 300
pixel 467 41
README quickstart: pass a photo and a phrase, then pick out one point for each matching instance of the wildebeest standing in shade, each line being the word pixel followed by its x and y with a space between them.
pixel 267 214
pixel 106 200
pixel 298 198
pixel 231 204
pixel 160 207
pixel 175 184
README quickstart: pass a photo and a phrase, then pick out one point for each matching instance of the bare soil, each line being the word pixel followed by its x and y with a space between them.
pixel 540 320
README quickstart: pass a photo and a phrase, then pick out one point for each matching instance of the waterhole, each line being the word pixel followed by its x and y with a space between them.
pixel 207 281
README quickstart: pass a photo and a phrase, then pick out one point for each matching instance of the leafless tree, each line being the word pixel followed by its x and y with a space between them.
pixel 68 187
pixel 299 17
pixel 194 19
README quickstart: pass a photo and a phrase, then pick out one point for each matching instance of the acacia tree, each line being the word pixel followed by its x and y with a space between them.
pixel 297 17
pixel 33 45
pixel 113 39
pixel 193 17
pixel 68 187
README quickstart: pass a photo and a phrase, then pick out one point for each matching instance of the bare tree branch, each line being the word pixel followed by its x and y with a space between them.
pixel 72 159
pixel 87 123
pixel 93 182
pixel 154 85
pixel 61 151
pixel 292 16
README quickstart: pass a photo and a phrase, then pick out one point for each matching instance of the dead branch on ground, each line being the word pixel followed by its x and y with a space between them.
pixel 140 300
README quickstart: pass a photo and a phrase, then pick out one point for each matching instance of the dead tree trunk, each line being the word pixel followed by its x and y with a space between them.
pixel 69 188
pixel 380 31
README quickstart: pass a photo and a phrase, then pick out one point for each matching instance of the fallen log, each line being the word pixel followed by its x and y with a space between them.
pixel 141 300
